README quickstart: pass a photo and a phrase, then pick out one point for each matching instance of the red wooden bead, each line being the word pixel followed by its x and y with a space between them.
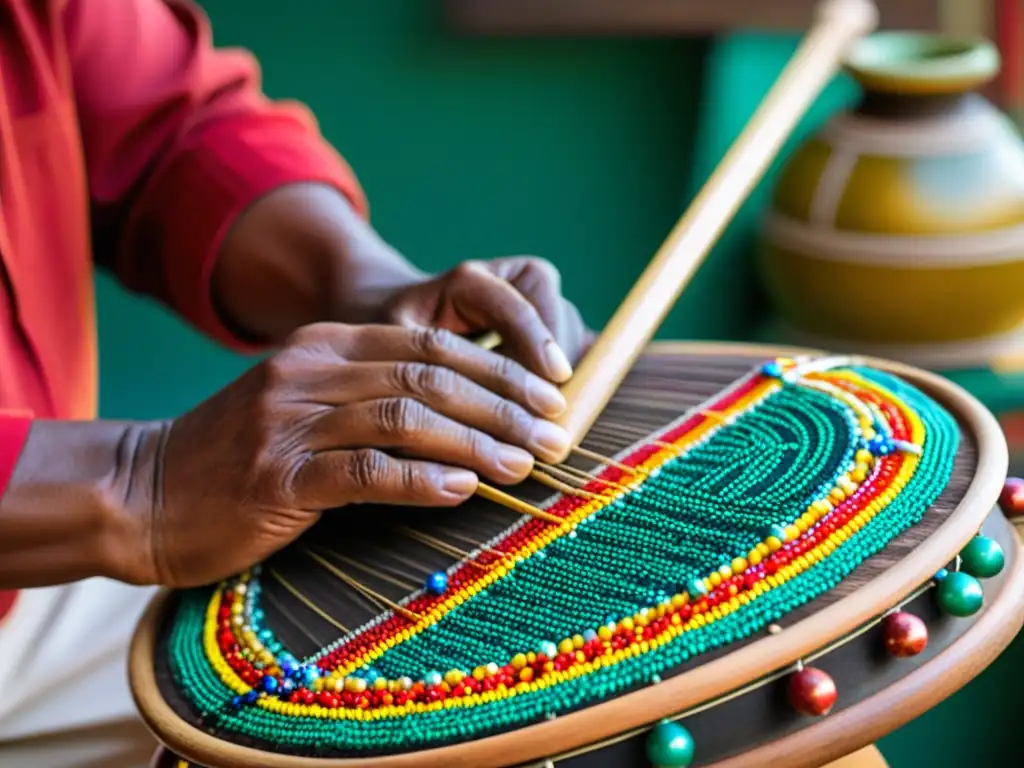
pixel 904 634
pixel 812 692
pixel 1011 500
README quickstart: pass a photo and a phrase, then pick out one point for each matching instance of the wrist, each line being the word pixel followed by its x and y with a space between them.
pixel 78 505
pixel 301 255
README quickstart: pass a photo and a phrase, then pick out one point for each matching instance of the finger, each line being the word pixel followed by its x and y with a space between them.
pixel 417 431
pixel 492 371
pixel 457 398
pixel 367 476
pixel 539 282
pixel 484 300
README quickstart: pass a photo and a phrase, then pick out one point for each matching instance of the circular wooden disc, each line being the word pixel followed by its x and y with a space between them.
pixel 888 582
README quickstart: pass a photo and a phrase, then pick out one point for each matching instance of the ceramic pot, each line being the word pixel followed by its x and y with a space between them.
pixel 901 224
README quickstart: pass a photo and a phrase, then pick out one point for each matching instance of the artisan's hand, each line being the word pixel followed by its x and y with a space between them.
pixel 519 297
pixel 342 415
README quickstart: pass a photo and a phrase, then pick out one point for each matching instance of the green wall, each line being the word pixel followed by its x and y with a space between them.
pixel 584 152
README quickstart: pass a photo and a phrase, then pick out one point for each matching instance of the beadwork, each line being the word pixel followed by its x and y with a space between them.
pixel 751 505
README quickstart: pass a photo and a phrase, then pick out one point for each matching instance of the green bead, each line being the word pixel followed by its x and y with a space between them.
pixel 982 557
pixel 960 594
pixel 669 745
pixel 775 530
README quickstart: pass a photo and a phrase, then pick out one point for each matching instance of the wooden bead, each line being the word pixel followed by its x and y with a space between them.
pixel 904 634
pixel 1011 500
pixel 812 692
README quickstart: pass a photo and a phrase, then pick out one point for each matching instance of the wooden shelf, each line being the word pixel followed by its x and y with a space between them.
pixel 662 18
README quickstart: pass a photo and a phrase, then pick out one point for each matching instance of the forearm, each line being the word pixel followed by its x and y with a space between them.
pixel 302 255
pixel 71 508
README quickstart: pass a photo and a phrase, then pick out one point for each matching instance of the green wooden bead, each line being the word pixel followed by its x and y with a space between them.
pixel 982 557
pixel 960 594
pixel 669 745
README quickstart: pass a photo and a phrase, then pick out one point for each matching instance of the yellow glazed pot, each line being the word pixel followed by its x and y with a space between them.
pixel 900 226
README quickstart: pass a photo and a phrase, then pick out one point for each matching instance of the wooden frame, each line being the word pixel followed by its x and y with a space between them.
pixel 829 739
pixel 664 18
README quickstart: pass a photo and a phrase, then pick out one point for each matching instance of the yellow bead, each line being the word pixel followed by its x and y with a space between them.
pixel 837 495
pixel 863 456
pixel 739 565
pixel 774 545
pixel 627 624
pixel 454 676
pixel 754 558
pixel 715 578
pixel 578 641
pixel 518 661
pixel 764 550
pixel 604 632
pixel 792 532
pixel 725 571
pixel 566 646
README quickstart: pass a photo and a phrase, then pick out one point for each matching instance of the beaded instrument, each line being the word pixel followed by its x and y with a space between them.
pixel 729 518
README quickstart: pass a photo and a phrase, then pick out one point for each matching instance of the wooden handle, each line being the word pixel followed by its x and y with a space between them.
pixel 838 24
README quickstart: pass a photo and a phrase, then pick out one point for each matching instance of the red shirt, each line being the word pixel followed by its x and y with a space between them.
pixel 128 141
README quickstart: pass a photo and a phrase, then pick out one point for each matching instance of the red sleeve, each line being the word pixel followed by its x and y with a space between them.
pixel 179 139
pixel 14 426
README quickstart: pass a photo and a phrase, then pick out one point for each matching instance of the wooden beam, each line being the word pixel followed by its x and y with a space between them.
pixel 662 18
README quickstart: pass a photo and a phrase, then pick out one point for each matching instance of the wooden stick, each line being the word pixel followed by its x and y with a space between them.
pixel 839 24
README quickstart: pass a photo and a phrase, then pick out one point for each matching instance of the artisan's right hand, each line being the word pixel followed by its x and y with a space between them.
pixel 343 415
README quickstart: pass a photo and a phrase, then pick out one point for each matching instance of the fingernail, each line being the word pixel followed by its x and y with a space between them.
pixel 459 482
pixel 515 461
pixel 558 364
pixel 549 439
pixel 544 398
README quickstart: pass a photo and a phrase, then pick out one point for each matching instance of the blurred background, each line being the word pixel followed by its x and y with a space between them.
pixel 474 137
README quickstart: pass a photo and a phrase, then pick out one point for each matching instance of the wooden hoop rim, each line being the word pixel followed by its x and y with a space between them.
pixel 844 732
pixel 677 693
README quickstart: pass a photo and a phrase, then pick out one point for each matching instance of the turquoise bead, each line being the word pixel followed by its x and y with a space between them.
pixel 982 557
pixel 669 745
pixel 960 594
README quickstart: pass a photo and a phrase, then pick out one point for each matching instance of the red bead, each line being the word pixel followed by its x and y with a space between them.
pixel 904 634
pixel 812 692
pixel 1011 500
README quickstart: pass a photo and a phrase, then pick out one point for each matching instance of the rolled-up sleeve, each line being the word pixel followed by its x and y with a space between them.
pixel 14 427
pixel 179 140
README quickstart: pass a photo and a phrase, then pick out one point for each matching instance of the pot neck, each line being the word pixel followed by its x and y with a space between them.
pixel 895 106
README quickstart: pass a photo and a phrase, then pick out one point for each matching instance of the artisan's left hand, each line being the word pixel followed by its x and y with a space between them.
pixel 518 297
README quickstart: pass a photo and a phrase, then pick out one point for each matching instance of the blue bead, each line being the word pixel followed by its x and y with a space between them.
pixel 269 684
pixel 943 573
pixel 437 583
pixel 287 686
pixel 251 696
pixel 266 636
pixel 288 669
pixel 432 678
pixel 589 635
pixel 775 530
pixel 772 369
pixel 236 702
pixel 549 649
pixel 310 673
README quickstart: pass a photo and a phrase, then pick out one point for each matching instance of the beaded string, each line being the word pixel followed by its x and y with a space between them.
pixel 735 694
pixel 857 487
